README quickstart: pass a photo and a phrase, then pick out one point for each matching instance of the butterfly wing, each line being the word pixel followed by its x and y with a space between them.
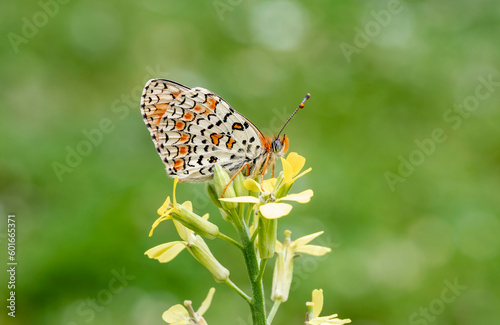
pixel 194 129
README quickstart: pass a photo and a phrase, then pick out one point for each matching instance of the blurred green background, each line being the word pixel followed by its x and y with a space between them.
pixel 406 215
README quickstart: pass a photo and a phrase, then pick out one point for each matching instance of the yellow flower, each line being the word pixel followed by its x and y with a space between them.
pixel 267 204
pixel 292 166
pixel 179 315
pixel 195 245
pixel 283 269
pixel 184 214
pixel 315 308
pixel 270 204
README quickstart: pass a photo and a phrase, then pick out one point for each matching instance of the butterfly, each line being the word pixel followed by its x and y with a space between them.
pixel 194 129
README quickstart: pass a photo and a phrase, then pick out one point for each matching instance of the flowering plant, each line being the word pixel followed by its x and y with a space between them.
pixel 254 210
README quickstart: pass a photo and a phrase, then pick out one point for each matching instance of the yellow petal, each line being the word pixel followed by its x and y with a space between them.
pixel 251 185
pixel 317 299
pixel 275 210
pixel 176 314
pixel 302 197
pixel 329 320
pixel 164 207
pixel 279 247
pixel 269 184
pixel 176 180
pixel 287 170
pixel 306 239
pixel 296 161
pixel 313 250
pixel 166 216
pixel 166 252
pixel 188 205
pixel 182 230
pixel 206 303
pixel 302 174
pixel 241 199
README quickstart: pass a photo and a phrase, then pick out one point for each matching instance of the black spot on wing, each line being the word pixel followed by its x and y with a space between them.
pixel 199 161
pixel 226 117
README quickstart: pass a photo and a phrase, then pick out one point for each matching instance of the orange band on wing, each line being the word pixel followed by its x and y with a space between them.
pixel 160 111
pixel 215 138
pixel 211 103
pixel 183 150
pixel 179 125
pixel 184 138
pixel 179 164
pixel 230 143
pixel 188 116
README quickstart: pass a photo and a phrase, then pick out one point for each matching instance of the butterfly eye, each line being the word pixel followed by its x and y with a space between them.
pixel 277 146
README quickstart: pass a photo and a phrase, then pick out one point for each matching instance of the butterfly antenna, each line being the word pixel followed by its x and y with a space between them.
pixel 296 110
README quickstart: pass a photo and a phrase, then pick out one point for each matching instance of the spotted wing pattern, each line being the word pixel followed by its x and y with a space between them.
pixel 194 129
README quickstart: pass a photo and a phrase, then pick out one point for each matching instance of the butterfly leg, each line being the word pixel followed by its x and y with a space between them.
pixel 264 169
pixel 234 176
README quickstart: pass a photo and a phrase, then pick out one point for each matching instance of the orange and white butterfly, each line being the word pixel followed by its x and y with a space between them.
pixel 194 129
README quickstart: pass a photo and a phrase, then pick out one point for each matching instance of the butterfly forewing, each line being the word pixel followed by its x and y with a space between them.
pixel 194 129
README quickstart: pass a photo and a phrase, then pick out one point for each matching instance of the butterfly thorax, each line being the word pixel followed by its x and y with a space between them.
pixel 275 147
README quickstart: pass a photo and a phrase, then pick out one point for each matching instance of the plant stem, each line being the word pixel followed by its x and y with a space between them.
pixel 263 264
pixel 254 235
pixel 239 291
pixel 273 311
pixel 257 306
pixel 230 240
pixel 249 213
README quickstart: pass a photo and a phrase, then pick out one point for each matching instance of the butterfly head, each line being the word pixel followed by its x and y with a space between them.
pixel 279 146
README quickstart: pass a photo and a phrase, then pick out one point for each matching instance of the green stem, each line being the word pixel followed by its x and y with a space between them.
pixel 230 240
pixel 254 235
pixel 273 311
pixel 257 306
pixel 249 213
pixel 239 291
pixel 262 269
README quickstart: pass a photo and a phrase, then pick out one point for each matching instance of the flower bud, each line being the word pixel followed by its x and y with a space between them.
pixel 282 187
pixel 239 188
pixel 194 222
pixel 267 236
pixel 213 195
pixel 221 179
pixel 201 252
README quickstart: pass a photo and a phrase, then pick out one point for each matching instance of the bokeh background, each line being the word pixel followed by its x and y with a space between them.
pixel 415 228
